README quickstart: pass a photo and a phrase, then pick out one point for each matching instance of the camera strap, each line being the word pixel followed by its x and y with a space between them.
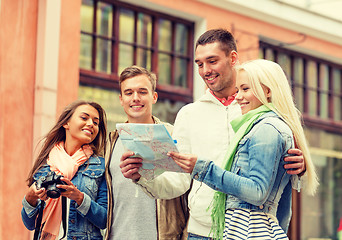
pixel 64 211
pixel 39 221
pixel 40 216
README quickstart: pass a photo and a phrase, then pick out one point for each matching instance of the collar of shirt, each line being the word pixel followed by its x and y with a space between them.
pixel 225 101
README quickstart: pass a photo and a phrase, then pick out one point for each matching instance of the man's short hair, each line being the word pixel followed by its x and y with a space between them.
pixel 134 71
pixel 224 37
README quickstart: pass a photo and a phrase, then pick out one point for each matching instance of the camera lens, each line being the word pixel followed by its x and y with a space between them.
pixel 53 193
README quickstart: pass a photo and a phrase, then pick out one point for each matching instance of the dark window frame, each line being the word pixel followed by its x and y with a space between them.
pixel 110 81
pixel 316 121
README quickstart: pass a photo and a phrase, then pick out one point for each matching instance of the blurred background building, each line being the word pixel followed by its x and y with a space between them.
pixel 55 51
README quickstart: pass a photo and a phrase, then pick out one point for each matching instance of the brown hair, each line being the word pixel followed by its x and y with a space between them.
pixel 134 71
pixel 57 134
pixel 224 37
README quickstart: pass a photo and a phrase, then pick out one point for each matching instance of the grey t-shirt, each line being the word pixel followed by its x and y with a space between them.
pixel 134 213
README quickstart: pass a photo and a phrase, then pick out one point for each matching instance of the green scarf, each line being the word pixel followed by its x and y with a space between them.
pixel 241 126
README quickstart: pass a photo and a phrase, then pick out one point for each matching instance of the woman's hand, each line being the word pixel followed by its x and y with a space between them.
pixel 71 191
pixel 33 194
pixel 185 161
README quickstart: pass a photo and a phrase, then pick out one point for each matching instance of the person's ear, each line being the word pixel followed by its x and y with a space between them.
pixel 268 93
pixel 155 97
pixel 66 126
pixel 120 98
pixel 234 57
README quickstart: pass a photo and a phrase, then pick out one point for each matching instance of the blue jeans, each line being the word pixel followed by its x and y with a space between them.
pixel 192 236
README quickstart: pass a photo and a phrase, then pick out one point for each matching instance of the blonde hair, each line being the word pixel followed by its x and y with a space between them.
pixel 263 73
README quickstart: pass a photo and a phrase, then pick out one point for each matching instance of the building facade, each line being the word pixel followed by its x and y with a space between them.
pixel 55 51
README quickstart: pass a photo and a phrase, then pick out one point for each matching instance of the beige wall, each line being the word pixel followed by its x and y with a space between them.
pixel 38 77
pixel 68 72
pixel 18 20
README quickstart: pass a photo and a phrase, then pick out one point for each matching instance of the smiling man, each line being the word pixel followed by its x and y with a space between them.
pixel 131 213
pixel 137 96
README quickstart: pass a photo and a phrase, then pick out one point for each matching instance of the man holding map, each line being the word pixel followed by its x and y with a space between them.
pixel 131 213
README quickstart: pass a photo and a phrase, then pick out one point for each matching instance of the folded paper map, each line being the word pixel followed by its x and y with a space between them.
pixel 151 142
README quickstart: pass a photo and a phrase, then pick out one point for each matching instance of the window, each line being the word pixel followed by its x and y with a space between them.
pixel 316 85
pixel 322 213
pixel 115 35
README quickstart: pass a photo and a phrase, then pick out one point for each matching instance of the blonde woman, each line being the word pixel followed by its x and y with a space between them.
pixel 252 180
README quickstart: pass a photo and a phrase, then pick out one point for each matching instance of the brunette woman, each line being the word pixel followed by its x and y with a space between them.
pixel 73 148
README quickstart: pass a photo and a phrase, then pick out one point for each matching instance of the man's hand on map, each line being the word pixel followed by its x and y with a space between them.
pixel 295 164
pixel 185 161
pixel 130 166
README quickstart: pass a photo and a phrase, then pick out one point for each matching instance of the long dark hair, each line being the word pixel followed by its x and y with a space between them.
pixel 57 134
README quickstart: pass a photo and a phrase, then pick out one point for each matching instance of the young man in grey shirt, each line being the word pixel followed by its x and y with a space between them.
pixel 131 213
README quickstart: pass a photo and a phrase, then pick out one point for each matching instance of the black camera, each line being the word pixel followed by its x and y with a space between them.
pixel 49 182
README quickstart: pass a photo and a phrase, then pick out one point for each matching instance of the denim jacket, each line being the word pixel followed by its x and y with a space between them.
pixel 257 180
pixel 85 220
